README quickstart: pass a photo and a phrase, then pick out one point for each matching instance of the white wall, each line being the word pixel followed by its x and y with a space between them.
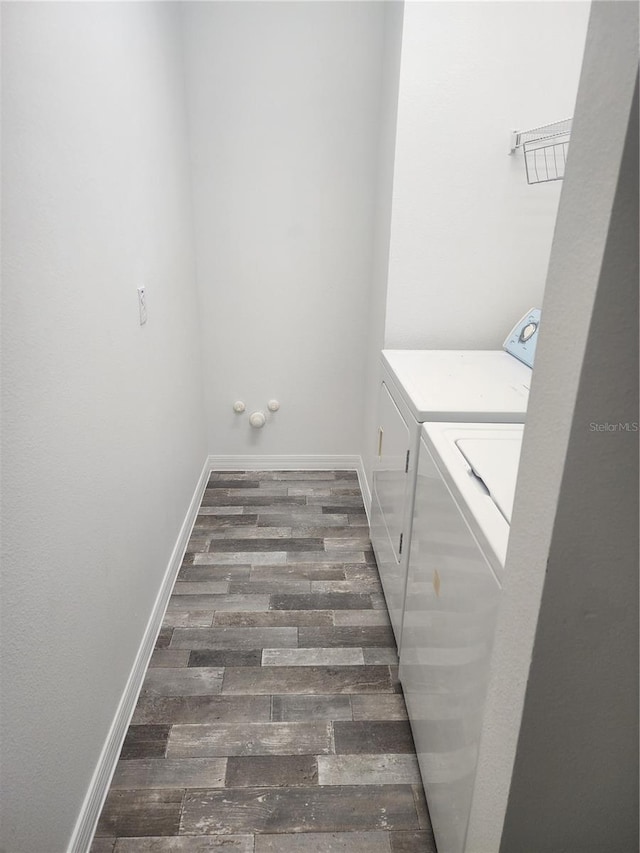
pixel 103 426
pixel 470 239
pixel 387 121
pixel 283 109
pixel 558 765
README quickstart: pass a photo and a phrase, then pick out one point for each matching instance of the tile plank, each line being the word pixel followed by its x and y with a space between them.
pixel 297 571
pixel 332 531
pixel 197 544
pixel 267 489
pixel 142 812
pixel 352 635
pixel 312 556
pixel 164 637
pixel 244 557
pixel 218 480
pixel 381 656
pixel 278 544
pixel 222 657
pixel 102 845
pixel 206 574
pixel 303 707
pixel 362 585
pixel 145 741
pixel 271 771
pixel 189 710
pixel 274 619
pixel 361 571
pixel 213 603
pixel 325 842
pixel 256 586
pixel 253 532
pixel 221 511
pixel 320 601
pixel 225 518
pixel 307 679
pixel 187 844
pixel 379 707
pixel 226 739
pixel 200 588
pixel 169 657
pixel 346 618
pixel 412 841
pixel 302 518
pixel 386 769
pixel 211 498
pixel 353 502
pixel 350 656
pixel 191 681
pixel 183 617
pixel 373 736
pixel 286 810
pixel 352 543
pixel 235 638
pixel 170 773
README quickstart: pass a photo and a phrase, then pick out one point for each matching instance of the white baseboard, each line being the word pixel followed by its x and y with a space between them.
pixel 285 463
pixel 90 812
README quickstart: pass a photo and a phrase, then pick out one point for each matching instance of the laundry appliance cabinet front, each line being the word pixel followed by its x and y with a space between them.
pixel 392 498
pixel 424 386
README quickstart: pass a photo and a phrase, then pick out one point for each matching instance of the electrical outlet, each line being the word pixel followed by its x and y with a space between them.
pixel 142 305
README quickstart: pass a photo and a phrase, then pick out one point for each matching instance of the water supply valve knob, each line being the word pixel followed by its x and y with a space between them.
pixel 239 407
pixel 257 420
pixel 273 405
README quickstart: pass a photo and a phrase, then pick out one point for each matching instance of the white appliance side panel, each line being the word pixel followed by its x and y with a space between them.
pixel 392 572
pixel 390 496
pixel 452 599
pixel 390 476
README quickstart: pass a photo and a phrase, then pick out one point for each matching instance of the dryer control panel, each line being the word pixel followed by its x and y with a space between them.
pixel 521 341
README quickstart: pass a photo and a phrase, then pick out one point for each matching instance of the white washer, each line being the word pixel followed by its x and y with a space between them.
pixel 420 386
pixel 464 496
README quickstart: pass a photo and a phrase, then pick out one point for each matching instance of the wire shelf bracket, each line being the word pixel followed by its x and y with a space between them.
pixel 545 150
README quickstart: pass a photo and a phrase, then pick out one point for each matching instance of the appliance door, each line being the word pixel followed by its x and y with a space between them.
pixel 390 495
pixel 449 620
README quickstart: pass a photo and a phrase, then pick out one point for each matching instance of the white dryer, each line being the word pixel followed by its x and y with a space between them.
pixel 420 386
pixel 464 496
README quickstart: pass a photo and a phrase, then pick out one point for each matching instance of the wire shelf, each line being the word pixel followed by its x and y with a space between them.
pixel 545 150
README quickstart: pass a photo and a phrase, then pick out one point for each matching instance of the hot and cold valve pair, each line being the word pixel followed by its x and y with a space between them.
pixel 256 419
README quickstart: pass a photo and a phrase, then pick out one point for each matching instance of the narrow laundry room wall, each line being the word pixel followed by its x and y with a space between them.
pixel 284 103
pixel 103 436
pixel 470 239
pixel 558 763
pixel 392 47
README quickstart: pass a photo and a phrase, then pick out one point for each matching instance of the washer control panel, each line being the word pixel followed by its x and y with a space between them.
pixel 521 341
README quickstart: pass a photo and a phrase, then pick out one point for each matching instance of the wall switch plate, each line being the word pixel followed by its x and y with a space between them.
pixel 142 305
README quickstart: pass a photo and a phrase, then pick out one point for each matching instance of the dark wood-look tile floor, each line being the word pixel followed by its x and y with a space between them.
pixel 271 719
